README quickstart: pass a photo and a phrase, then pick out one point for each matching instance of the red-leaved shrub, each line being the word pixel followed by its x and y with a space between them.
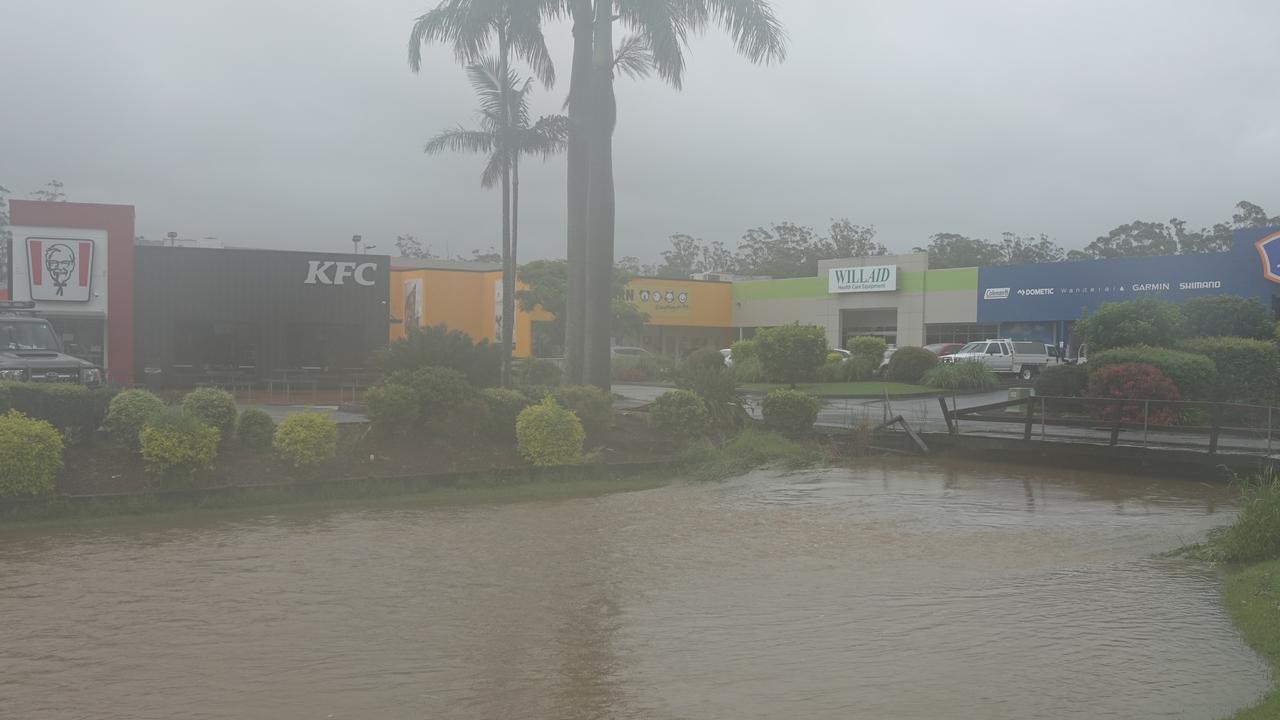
pixel 1135 381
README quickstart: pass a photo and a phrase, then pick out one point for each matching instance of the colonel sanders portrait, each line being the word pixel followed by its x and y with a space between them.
pixel 60 262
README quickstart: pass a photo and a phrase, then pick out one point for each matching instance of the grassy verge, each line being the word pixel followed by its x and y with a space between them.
pixel 846 389
pixel 585 481
pixel 751 449
pixel 1252 597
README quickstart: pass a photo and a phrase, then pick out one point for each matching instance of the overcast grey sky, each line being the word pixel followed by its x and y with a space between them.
pixel 295 125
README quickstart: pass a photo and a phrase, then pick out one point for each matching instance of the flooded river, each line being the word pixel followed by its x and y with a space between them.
pixel 897 591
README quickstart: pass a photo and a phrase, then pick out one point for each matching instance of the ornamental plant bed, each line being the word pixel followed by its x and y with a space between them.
pixel 101 468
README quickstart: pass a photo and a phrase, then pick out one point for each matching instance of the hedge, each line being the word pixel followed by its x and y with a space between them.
pixel 1194 374
pixel 909 364
pixel 176 444
pixel 593 406
pixel 790 412
pixel 791 353
pixel 442 393
pixel 255 428
pixel 214 407
pixel 503 408
pixel 393 409
pixel 548 434
pixel 1135 381
pixel 74 410
pixel 1248 370
pixel 680 415
pixel 960 376
pixel 128 413
pixel 306 440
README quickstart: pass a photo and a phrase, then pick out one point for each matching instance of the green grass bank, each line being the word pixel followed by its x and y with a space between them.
pixel 1252 597
pixel 848 389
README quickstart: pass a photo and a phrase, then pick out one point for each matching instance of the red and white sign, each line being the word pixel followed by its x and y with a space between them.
pixel 60 269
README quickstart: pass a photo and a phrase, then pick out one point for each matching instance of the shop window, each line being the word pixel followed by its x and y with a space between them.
pixel 328 347
pixel 200 346
pixel 958 333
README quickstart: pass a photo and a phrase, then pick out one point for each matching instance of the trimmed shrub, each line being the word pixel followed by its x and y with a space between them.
pixel 255 429
pixel 749 370
pixel 438 346
pixel 74 410
pixel 593 406
pixel 869 348
pixel 791 353
pixel 393 409
pixel 504 407
pixel 717 387
pixel 960 376
pixel 744 350
pixel 442 393
pixel 214 407
pixel 532 371
pixel 1248 370
pixel 176 444
pixel 30 456
pixel 548 434
pixel 306 440
pixel 909 364
pixel 1135 381
pixel 705 358
pixel 128 413
pixel 1145 321
pixel 790 412
pixel 680 415
pixel 1228 315
pixel 1063 381
pixel 1195 375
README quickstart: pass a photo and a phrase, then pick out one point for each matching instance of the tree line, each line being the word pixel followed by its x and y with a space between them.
pixel 786 249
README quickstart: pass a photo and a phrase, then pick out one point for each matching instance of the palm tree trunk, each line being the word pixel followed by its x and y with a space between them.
pixel 506 275
pixel 576 252
pixel 600 201
pixel 509 279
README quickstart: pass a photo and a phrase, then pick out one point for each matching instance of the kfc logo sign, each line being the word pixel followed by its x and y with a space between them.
pixel 329 272
pixel 60 269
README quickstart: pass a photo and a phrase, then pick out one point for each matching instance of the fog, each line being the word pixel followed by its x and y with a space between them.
pixel 296 125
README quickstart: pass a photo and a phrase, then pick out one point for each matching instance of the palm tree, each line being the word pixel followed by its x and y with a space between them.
pixel 660 36
pixel 505 135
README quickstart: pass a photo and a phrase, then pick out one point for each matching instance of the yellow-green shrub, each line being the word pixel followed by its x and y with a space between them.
pixel 213 407
pixel 30 455
pixel 548 434
pixel 306 440
pixel 177 444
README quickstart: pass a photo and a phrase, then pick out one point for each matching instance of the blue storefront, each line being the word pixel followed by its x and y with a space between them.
pixel 1042 302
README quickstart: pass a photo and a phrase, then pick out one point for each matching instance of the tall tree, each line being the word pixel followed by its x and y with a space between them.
pixel 51 192
pixel 952 250
pixel 661 31
pixel 1019 250
pixel 409 246
pixel 849 240
pixel 505 135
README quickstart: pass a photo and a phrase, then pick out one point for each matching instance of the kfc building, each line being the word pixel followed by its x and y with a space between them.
pixel 75 261
pixel 182 316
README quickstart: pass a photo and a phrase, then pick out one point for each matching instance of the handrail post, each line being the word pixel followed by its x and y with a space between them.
pixel 1031 416
pixel 946 415
pixel 1044 417
pixel 1269 409
pixel 1215 428
pixel 1146 415
pixel 1115 427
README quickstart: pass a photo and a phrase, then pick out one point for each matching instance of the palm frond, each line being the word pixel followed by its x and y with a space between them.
pixel 663 25
pixel 755 29
pixel 493 170
pixel 460 139
pixel 633 58
pixel 548 136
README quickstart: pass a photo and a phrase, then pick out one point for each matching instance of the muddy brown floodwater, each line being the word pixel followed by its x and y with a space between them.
pixel 893 591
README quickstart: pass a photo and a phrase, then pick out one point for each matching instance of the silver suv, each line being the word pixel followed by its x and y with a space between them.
pixel 31 352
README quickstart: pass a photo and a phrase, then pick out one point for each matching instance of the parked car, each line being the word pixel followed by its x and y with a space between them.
pixel 944 349
pixel 844 354
pixel 1022 358
pixel 30 350
pixel 728 356
pixel 623 351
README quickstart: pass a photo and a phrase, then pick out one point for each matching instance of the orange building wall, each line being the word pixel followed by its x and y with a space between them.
pixel 462 300
pixel 683 303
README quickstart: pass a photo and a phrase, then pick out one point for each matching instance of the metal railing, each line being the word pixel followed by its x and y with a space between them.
pixel 1213 426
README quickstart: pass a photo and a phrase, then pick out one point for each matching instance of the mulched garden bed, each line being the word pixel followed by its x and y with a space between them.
pixel 101 468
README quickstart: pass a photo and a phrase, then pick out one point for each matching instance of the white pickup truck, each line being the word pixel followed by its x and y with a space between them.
pixel 1015 357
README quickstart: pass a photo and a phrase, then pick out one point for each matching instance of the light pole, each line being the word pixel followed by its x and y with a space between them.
pixel 355 240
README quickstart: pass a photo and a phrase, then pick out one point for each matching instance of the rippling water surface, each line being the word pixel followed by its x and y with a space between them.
pixel 893 591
